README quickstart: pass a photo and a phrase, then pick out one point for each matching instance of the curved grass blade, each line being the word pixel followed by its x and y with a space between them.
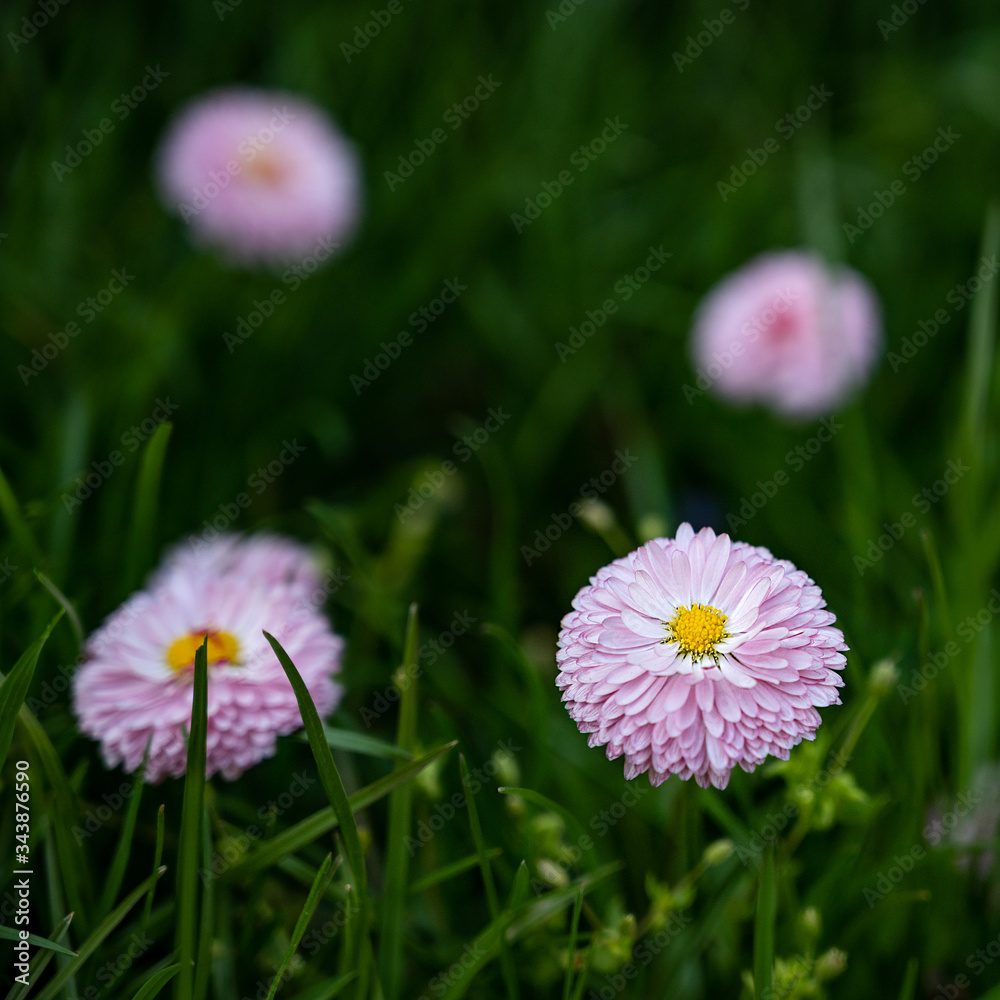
pixel 95 940
pixel 156 983
pixel 574 928
pixel 17 524
pixel 400 818
pixel 14 688
pixel 322 880
pixel 370 746
pixel 763 932
pixel 138 552
pixel 9 934
pixel 64 602
pixel 41 960
pixel 306 831
pixel 192 817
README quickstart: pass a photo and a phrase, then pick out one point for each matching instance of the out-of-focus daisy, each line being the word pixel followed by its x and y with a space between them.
pixel 787 331
pixel 264 176
pixel 136 681
pixel 694 654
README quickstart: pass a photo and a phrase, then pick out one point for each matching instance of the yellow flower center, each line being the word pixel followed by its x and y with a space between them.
pixel 697 630
pixel 222 648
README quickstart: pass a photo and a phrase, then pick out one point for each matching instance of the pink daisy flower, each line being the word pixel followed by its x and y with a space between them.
pixel 787 331
pixel 136 681
pixel 694 654
pixel 262 175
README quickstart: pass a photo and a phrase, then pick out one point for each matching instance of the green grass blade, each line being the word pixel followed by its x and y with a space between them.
pixel 574 928
pixel 73 866
pixel 322 880
pixel 449 871
pixel 763 934
pixel 95 940
pixel 64 602
pixel 138 552
pixel 206 926
pixel 14 688
pixel 41 960
pixel 157 858
pixel 329 776
pixel 10 934
pixel 17 524
pixel 370 746
pixel 329 988
pixel 306 831
pixel 192 816
pixel 909 987
pixel 120 862
pixel 400 819
pixel 519 890
pixel 332 784
pixel 156 983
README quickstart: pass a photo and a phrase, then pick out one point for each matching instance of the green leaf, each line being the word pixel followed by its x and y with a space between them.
pixel 370 746
pixel 156 983
pixel 42 958
pixel 120 861
pixel 763 933
pixel 157 858
pixel 14 688
pixel 329 776
pixel 400 818
pixel 17 524
pixel 983 331
pixel 10 934
pixel 206 928
pixel 322 880
pixel 909 987
pixel 306 831
pixel 574 928
pixel 95 940
pixel 139 549
pixel 192 816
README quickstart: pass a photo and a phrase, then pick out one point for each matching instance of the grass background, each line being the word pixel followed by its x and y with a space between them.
pixel 462 551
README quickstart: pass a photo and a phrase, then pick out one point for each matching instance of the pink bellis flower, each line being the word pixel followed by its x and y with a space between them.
pixel 135 685
pixel 696 653
pixel 263 176
pixel 787 331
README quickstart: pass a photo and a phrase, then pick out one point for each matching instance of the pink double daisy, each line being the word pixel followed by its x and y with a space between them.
pixel 694 654
pixel 135 685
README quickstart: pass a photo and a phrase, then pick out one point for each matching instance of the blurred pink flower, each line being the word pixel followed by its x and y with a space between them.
pixel 136 681
pixel 694 654
pixel 262 175
pixel 788 331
